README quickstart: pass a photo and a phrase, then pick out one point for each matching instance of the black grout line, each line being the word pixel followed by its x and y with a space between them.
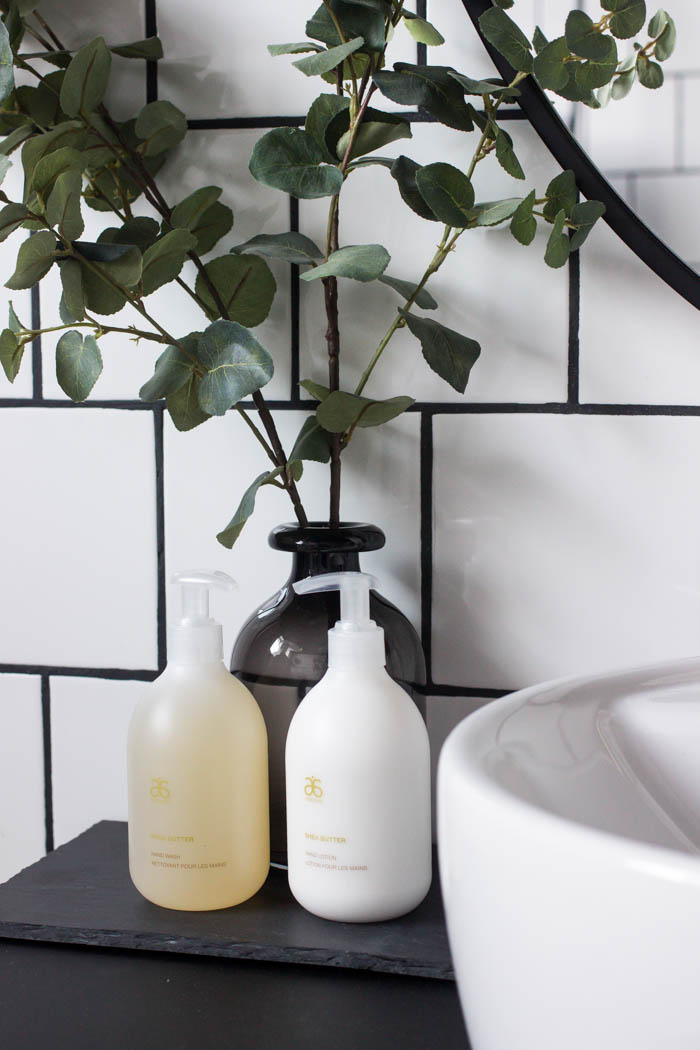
pixel 426 540
pixel 48 772
pixel 457 691
pixel 160 536
pixel 151 26
pixel 294 308
pixel 120 674
pixel 37 362
pixel 266 121
pixel 574 326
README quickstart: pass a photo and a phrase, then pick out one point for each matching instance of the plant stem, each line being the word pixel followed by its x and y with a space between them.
pixel 98 326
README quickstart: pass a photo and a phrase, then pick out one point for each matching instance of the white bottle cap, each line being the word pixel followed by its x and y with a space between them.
pixel 355 639
pixel 195 638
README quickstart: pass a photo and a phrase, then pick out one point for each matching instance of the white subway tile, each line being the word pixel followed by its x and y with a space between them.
pixel 666 202
pixel 639 339
pixel 492 289
pixel 89 723
pixel 79 584
pixel 22 828
pixel 21 300
pixel 690 132
pixel 563 545
pixel 632 133
pixel 208 470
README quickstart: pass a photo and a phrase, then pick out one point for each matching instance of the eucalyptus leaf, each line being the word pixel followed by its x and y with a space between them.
pixel 315 389
pixel 244 284
pixel 539 40
pixel 36 257
pixel 236 363
pixel 290 247
pixel 584 215
pixel 311 443
pixel 11 353
pixel 140 231
pixel 650 74
pixel 78 364
pixel 341 411
pixel 189 211
pixel 163 261
pixel 502 32
pixel 595 72
pixel 666 43
pixel 121 262
pixel 49 167
pixel 448 193
pixel 361 262
pixel 297 48
pixel 523 225
pixel 7 79
pixel 72 284
pixel 228 536
pixel 355 20
pixel 324 61
pixel 490 213
pixel 658 23
pixel 561 193
pixel 583 38
pixel 172 371
pixel 558 245
pixel 406 290
pixel 421 30
pixel 505 154
pixel 449 354
pixel 404 172
pixel 374 134
pixel 13 321
pixel 149 49
pixel 430 87
pixel 183 405
pixel 86 78
pixel 550 67
pixel 14 140
pixel 63 205
pixel 497 88
pixel 623 84
pixel 160 126
pixel 11 218
pixel 321 113
pixel 628 18
pixel 290 160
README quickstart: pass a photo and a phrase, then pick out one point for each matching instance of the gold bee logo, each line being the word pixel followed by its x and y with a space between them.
pixel 312 788
pixel 159 788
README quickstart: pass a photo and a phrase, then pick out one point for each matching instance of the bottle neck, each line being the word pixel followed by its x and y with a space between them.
pixel 316 563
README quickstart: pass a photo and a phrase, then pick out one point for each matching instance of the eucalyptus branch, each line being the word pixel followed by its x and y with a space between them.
pixel 100 328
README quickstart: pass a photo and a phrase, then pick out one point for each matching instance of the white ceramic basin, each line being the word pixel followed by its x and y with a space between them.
pixel 569 843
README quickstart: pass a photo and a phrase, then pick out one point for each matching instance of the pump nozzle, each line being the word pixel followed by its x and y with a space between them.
pixel 355 638
pixel 195 637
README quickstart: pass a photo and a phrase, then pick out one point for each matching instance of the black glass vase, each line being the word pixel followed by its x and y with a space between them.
pixel 282 649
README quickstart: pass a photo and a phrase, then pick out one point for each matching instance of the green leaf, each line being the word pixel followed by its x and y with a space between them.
pixel 293 49
pixel 204 215
pixel 361 262
pixel 321 113
pixel 658 23
pixel 340 411
pixel 449 354
pixel 430 87
pixel 236 364
pixel 244 284
pixel 523 225
pixel 311 443
pixel 502 32
pixel 78 364
pixel 49 167
pixel 539 40
pixel 629 16
pixel 448 193
pixel 190 210
pixel 315 389
pixel 140 231
pixel 505 154
pixel 549 66
pixel 422 31
pixel 11 218
pixel 7 80
pixel 13 321
pixel 561 193
pixel 149 49
pixel 72 283
pixel 404 172
pixel 121 262
pixel 173 369
pixel 35 258
pixel 650 74
pixel 582 37
pixel 355 20
pixel 86 77
pixel 504 3
pixel 290 160
pixel 490 213
pixel 622 85
pixel 598 71
pixel 163 261
pixel 11 353
pixel 160 126
pixel 666 43
pixel 584 215
pixel 324 61
pixel 63 205
pixel 484 87
pixel 406 289
pixel 183 405
pixel 290 247
pixel 374 133
pixel 14 140
pixel 558 245
pixel 228 536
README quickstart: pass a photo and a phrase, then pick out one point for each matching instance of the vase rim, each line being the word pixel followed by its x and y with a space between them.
pixel 318 537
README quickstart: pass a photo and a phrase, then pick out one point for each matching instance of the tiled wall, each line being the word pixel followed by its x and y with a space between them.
pixel 544 524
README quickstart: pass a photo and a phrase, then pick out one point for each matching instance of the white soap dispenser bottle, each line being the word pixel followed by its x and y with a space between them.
pixel 358 776
pixel 199 832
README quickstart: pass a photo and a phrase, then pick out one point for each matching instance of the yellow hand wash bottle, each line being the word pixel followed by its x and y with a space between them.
pixel 199 835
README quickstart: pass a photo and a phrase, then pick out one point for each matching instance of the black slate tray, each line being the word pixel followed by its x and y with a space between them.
pixel 82 894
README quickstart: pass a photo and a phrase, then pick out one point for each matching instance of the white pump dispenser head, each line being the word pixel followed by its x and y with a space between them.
pixel 355 639
pixel 195 638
